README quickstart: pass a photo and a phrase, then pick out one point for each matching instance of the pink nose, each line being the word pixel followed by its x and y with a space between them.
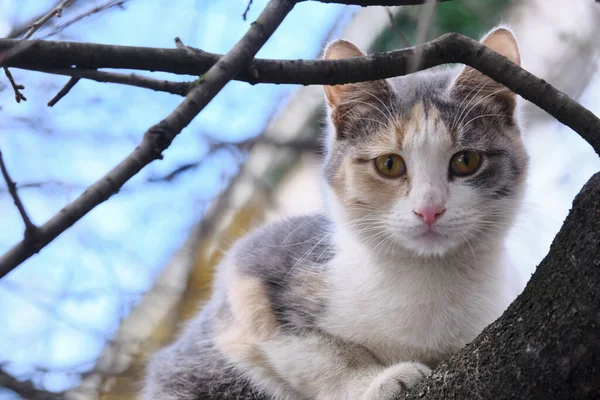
pixel 429 214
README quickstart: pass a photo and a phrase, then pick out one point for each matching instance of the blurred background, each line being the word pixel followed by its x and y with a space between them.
pixel 79 319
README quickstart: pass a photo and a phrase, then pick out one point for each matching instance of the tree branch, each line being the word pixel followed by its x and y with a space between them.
pixel 158 85
pixel 25 389
pixel 366 3
pixel 30 228
pixel 55 12
pixel 449 48
pixel 158 137
pixel 16 87
pixel 63 92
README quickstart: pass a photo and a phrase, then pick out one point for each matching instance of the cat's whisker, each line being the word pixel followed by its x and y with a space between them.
pixel 470 98
pixel 355 101
pixel 483 116
pixel 503 89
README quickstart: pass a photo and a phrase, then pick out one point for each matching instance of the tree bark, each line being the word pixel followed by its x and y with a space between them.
pixel 547 344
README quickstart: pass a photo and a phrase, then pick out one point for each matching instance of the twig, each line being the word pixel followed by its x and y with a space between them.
pixel 396 29
pixel 26 388
pixel 63 92
pixel 366 3
pixel 303 145
pixel 92 11
pixel 247 9
pixel 159 85
pixel 30 228
pixel 55 12
pixel 448 48
pixel 16 87
pixel 158 137
pixel 425 20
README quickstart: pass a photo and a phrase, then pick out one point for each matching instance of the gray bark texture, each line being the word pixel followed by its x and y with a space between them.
pixel 547 344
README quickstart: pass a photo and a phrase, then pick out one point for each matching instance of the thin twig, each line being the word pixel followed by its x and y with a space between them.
pixel 25 388
pixel 245 14
pixel 366 3
pixel 301 145
pixel 63 92
pixel 55 12
pixel 30 228
pixel 158 137
pixel 158 85
pixel 396 29
pixel 16 87
pixel 425 21
pixel 92 11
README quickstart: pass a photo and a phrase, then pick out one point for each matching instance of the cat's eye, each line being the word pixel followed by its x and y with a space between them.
pixel 390 165
pixel 465 163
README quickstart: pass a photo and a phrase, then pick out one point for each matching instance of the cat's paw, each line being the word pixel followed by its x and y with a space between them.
pixel 395 380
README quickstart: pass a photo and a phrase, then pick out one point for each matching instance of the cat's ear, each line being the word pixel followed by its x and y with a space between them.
pixel 335 94
pixel 503 42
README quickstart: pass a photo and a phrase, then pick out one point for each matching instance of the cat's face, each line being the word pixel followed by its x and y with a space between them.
pixel 431 162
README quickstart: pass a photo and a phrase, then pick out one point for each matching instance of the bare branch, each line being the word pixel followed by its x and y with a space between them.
pixel 245 14
pixel 158 85
pixel 55 12
pixel 396 29
pixel 303 145
pixel 449 48
pixel 16 87
pixel 30 228
pixel 158 137
pixel 92 11
pixel 63 92
pixel 366 3
pixel 25 389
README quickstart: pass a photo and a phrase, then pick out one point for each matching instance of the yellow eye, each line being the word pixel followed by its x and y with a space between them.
pixel 390 165
pixel 465 163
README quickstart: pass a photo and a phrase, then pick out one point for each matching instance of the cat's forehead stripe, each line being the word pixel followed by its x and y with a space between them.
pixel 425 127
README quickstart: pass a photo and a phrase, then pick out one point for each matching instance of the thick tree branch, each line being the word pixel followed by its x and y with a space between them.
pixel 449 48
pixel 158 137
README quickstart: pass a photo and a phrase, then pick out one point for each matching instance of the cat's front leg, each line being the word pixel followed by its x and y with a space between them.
pixel 396 380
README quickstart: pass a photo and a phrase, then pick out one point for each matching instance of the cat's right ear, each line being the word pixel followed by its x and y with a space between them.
pixel 337 93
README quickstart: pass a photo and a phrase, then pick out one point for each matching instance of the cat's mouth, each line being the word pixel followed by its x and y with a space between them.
pixel 429 241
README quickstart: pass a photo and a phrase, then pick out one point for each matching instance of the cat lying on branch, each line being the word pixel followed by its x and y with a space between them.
pixel 425 174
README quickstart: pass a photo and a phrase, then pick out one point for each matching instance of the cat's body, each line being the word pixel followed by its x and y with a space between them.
pixel 405 270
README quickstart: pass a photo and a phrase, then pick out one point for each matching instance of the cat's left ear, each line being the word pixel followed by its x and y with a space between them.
pixel 503 42
pixel 336 94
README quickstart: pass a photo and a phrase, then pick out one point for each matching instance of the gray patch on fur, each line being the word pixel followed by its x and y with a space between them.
pixel 285 256
pixel 281 255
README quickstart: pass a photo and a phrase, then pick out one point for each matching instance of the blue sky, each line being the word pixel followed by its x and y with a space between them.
pixel 60 306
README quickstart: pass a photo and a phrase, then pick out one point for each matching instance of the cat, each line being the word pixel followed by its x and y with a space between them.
pixel 424 175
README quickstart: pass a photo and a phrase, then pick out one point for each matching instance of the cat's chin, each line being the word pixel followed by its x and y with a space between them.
pixel 430 243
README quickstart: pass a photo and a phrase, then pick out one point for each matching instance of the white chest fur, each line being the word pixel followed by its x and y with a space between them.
pixel 414 310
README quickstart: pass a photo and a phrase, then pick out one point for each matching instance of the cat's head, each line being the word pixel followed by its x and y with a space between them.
pixel 430 162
